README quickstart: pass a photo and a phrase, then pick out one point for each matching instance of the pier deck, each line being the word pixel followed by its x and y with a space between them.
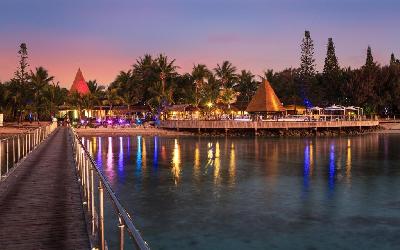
pixel 40 202
pixel 229 124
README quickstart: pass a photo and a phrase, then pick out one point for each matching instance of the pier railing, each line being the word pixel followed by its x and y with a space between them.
pixel 91 178
pixel 16 147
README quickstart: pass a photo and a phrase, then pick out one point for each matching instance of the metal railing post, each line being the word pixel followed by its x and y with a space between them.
pixel 101 217
pixel 121 227
pixel 88 185
pixel 19 148
pixel 13 146
pixel 26 145
pixel 92 203
pixel 7 166
pixel 82 173
pixel 1 154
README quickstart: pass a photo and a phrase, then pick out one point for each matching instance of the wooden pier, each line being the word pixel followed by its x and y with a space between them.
pixel 40 201
pixel 231 124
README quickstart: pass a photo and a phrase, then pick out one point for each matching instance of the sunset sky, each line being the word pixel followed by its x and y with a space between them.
pixel 103 37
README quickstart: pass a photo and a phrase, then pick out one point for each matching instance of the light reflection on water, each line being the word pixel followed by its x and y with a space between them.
pixel 176 162
pixel 240 193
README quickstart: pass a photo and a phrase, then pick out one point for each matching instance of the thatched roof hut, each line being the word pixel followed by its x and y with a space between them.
pixel 265 100
pixel 79 85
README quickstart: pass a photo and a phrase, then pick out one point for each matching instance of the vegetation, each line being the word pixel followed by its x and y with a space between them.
pixel 154 81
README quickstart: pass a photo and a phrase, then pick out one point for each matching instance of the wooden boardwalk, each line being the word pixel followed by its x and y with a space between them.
pixel 229 124
pixel 40 202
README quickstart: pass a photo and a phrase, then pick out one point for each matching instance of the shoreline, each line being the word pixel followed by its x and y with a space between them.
pixel 127 132
pixel 11 129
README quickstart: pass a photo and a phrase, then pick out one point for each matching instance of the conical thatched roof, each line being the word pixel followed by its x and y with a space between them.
pixel 265 100
pixel 80 84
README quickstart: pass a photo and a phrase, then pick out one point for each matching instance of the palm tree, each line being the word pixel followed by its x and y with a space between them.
pixel 112 98
pixel 40 82
pixel 226 73
pixel 166 68
pixel 246 86
pixel 96 92
pixel 144 68
pixel 75 100
pixel 127 88
pixel 159 97
pixel 200 74
pixel 56 96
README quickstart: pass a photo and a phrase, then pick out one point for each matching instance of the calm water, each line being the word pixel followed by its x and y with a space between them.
pixel 257 193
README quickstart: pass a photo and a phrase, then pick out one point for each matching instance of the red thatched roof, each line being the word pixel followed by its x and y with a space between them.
pixel 80 84
pixel 265 100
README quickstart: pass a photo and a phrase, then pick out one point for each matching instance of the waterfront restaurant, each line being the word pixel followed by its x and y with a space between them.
pixel 295 109
pixel 181 112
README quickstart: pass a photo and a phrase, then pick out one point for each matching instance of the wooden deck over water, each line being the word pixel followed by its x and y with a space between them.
pixel 229 124
pixel 40 202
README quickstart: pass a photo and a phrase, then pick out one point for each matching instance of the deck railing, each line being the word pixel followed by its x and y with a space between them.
pixel 91 178
pixel 15 148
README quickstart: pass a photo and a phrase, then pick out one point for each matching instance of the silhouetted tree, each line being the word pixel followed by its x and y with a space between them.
pixel 331 75
pixel 307 67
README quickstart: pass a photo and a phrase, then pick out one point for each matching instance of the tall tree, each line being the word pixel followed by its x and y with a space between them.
pixel 246 88
pixel 331 66
pixel 331 74
pixel 369 61
pixel 20 83
pixel 40 83
pixel 307 68
pixel 21 74
pixel 368 87
pixel 166 68
pixel 226 74
pixel 145 74
pixel 126 87
pixel 200 75
pixel 97 92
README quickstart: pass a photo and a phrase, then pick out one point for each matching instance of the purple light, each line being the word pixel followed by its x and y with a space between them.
pixel 120 121
pixel 109 122
pixel 82 121
pixel 98 120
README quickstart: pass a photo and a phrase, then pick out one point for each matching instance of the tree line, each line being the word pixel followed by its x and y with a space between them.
pixel 154 81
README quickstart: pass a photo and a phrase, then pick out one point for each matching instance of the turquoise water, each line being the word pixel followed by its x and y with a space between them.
pixel 257 193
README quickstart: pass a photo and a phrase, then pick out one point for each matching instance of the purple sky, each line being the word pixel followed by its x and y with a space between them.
pixel 106 36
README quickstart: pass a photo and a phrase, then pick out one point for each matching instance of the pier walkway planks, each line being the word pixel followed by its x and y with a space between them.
pixel 40 202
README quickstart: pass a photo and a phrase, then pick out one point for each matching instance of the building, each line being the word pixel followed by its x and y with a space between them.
pixel 265 101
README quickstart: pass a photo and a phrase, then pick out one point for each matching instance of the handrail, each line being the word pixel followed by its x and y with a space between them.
pixel 16 147
pixel 86 167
